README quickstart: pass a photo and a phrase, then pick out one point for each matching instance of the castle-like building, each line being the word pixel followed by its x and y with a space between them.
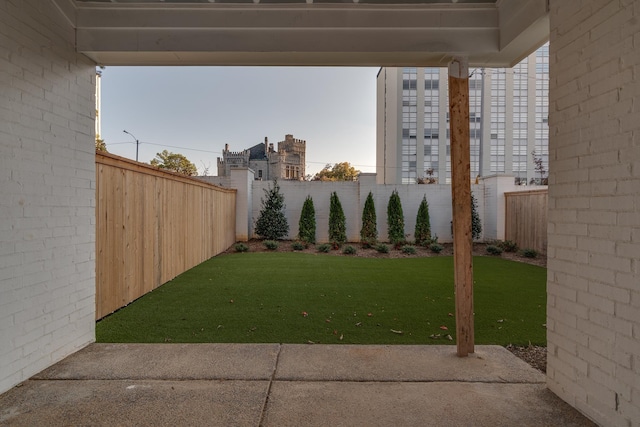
pixel 286 163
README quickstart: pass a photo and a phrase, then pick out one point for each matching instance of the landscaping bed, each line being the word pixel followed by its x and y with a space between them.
pixel 479 249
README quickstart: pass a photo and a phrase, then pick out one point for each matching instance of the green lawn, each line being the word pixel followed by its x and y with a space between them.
pixel 298 298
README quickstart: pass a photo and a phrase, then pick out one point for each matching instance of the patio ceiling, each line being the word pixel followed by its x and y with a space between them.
pixel 306 32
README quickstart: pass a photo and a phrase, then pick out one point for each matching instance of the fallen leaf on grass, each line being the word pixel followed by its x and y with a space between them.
pixel 359 324
pixel 396 332
pixel 450 314
pixel 369 314
pixel 449 337
pixel 435 336
pixel 327 320
pixel 444 328
pixel 305 314
pixel 341 336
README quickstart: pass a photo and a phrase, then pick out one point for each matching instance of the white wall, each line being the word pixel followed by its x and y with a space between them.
pixel 594 209
pixel 353 195
pixel 47 191
pixel 495 203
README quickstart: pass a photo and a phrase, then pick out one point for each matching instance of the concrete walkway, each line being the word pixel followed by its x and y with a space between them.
pixel 286 385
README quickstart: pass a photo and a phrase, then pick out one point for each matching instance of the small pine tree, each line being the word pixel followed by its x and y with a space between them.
pixel 271 223
pixel 423 224
pixel 369 232
pixel 476 224
pixel 307 224
pixel 395 219
pixel 337 222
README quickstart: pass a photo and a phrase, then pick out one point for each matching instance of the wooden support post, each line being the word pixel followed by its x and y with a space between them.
pixel 461 197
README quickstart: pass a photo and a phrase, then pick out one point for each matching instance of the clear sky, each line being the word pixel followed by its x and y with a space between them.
pixel 195 111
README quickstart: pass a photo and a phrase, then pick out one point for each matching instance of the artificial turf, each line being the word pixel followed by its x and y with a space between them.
pixel 303 298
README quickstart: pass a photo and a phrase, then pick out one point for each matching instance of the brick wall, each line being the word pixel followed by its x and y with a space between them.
pixel 47 191
pixel 489 195
pixel 594 209
pixel 352 197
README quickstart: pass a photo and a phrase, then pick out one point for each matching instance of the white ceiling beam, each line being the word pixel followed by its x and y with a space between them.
pixel 68 9
pixel 140 33
pixel 312 40
pixel 524 26
pixel 163 15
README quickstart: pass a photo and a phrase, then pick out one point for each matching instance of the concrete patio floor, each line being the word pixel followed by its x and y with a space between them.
pixel 286 385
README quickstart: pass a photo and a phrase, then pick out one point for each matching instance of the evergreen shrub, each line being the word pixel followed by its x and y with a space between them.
pixel 307 223
pixel 337 222
pixel 369 231
pixel 395 219
pixel 271 223
pixel 422 232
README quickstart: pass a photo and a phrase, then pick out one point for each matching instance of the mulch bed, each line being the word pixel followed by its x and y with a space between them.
pixel 536 356
pixel 479 249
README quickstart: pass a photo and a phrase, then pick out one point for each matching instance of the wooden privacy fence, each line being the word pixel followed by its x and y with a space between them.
pixel 526 219
pixel 151 226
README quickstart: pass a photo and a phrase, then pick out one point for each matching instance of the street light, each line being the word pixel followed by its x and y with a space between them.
pixel 137 142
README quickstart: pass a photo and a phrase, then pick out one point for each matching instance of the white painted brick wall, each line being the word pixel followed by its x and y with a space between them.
pixel 47 191
pixel 489 196
pixel 593 313
pixel 352 197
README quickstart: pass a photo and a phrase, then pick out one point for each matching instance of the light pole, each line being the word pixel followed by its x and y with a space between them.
pixel 137 142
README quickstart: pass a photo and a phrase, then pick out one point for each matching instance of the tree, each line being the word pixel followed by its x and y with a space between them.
pixel 205 168
pixel 101 145
pixel 539 167
pixel 307 224
pixel 174 162
pixel 337 226
pixel 476 224
pixel 338 172
pixel 271 223
pixel 422 233
pixel 428 178
pixel 395 219
pixel 369 231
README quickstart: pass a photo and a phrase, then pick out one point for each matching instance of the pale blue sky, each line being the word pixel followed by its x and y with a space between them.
pixel 186 109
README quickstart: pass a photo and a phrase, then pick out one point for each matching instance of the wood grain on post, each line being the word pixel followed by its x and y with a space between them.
pixel 461 199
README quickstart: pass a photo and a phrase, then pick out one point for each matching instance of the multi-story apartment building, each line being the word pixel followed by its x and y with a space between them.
pixel 267 163
pixel 508 109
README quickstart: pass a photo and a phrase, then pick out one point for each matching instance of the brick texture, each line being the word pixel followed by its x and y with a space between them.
pixel 354 194
pixel 594 208
pixel 47 280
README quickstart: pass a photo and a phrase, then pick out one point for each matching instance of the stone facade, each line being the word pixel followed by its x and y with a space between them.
pixel 288 163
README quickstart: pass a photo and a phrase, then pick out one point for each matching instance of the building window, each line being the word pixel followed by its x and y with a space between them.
pixel 542 111
pixel 409 124
pixel 497 142
pixel 520 120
